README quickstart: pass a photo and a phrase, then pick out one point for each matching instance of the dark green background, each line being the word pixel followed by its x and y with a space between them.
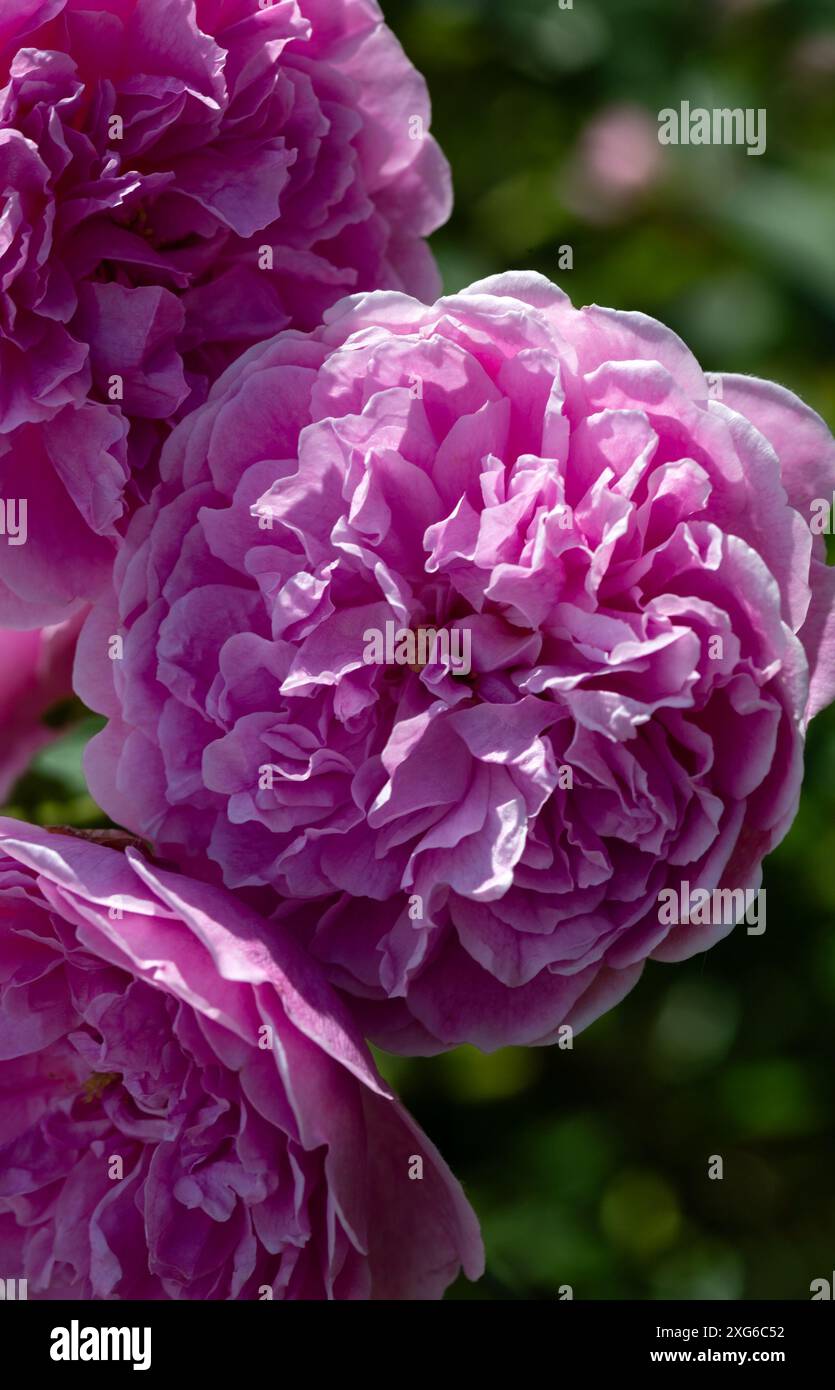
pixel 589 1167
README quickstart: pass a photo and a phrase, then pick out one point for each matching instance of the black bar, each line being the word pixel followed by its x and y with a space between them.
pixel 258 1340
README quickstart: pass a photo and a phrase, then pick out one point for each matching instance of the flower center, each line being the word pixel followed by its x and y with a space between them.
pixel 96 1084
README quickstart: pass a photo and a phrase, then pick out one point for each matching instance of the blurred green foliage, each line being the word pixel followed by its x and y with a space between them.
pixel 589 1167
pixel 54 789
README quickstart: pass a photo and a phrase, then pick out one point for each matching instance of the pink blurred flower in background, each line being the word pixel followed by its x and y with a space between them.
pixel 617 161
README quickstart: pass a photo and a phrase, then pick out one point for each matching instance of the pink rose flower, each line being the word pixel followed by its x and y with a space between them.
pixel 35 674
pixel 476 849
pixel 186 1108
pixel 180 178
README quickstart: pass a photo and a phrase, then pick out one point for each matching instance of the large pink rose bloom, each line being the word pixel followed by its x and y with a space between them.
pixel 476 855
pixel 35 675
pixel 186 1109
pixel 179 179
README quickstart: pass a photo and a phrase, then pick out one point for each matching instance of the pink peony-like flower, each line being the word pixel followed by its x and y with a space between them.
pixel 186 1109
pixel 476 854
pixel 35 675
pixel 179 179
